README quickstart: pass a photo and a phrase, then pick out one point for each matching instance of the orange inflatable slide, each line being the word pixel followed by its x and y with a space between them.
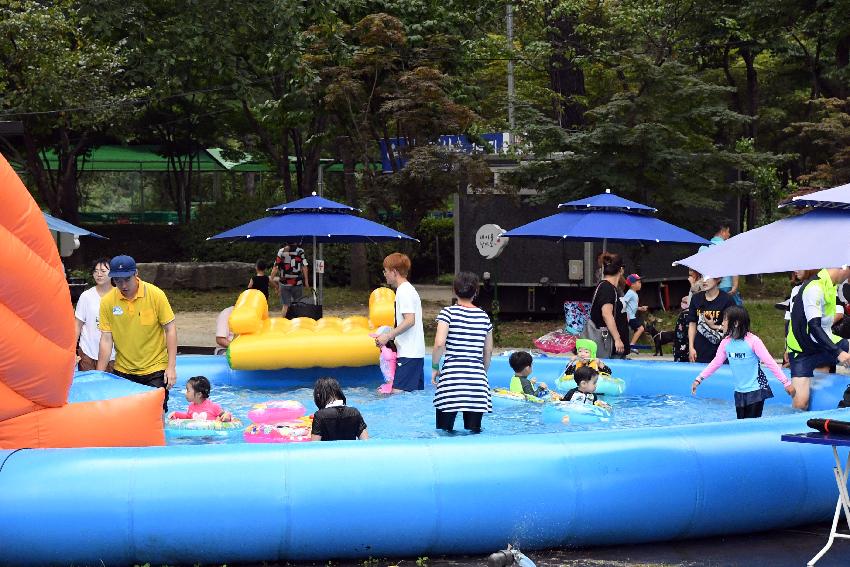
pixel 37 355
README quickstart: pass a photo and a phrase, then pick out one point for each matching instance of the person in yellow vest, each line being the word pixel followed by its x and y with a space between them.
pixel 137 319
pixel 810 341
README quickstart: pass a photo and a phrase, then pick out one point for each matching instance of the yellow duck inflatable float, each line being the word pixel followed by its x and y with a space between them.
pixel 271 343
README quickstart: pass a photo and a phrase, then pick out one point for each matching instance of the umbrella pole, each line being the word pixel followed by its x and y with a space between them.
pixel 322 276
pixel 314 264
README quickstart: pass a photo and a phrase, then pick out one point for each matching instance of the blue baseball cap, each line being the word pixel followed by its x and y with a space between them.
pixel 122 267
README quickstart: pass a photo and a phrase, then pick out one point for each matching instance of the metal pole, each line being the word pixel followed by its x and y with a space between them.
pixel 321 289
pixel 509 24
pixel 437 244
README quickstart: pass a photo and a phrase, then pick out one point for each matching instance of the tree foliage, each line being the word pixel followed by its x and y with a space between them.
pixel 683 104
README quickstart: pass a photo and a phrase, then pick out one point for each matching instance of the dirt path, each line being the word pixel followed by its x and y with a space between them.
pixel 197 328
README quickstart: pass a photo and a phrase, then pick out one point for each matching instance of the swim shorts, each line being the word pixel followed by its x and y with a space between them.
pixel 409 374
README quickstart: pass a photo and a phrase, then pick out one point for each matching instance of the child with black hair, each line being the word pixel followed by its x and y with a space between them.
pixel 260 280
pixel 520 362
pixel 335 421
pixel 744 350
pixel 586 378
pixel 200 406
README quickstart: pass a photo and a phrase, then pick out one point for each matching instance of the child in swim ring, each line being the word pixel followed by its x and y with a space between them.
pixel 200 406
pixel 520 362
pixel 744 351
pixel 335 421
pixel 585 390
pixel 585 356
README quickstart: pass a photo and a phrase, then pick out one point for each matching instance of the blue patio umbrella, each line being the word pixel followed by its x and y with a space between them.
pixel 59 225
pixel 835 198
pixel 816 239
pixel 605 217
pixel 315 218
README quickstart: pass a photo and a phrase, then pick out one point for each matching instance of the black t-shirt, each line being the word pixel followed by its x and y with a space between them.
pixel 706 339
pixel 338 423
pixel 607 293
pixel 261 283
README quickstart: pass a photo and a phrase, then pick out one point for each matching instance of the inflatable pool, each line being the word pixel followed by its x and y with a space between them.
pixel 417 497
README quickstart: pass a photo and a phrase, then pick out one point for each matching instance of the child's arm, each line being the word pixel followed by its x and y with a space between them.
pixel 602 366
pixel 364 435
pixel 712 367
pixel 764 356
pixel 180 415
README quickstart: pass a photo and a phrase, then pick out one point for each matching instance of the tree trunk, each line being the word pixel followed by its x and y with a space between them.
pixel 749 57
pixel 68 196
pixel 250 184
pixel 565 77
pixel 359 263
pixel 842 59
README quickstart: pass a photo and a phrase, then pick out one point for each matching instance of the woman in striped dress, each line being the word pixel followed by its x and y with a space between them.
pixel 465 335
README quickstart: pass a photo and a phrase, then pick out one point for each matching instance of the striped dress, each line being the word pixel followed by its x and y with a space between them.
pixel 463 384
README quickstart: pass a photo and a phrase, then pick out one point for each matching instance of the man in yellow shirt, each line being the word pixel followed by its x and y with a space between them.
pixel 137 319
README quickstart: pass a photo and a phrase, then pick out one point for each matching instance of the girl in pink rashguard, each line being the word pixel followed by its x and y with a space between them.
pixel 744 351
pixel 200 405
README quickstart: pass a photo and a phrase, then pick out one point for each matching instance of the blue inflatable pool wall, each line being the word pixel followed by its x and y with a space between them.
pixel 469 494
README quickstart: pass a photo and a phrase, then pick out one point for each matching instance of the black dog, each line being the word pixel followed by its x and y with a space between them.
pixel 660 338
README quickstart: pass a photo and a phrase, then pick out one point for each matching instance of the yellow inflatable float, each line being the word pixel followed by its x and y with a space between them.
pixel 270 343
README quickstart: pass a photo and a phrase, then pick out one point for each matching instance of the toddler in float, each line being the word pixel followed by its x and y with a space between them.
pixel 200 406
pixel 520 362
pixel 585 390
pixel 585 356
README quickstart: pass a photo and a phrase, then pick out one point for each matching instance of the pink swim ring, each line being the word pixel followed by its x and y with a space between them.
pixel 296 431
pixel 277 411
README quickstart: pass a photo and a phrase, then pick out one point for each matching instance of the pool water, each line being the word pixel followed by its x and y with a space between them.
pixel 411 415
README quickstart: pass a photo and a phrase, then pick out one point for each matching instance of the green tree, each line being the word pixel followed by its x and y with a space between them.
pixel 68 88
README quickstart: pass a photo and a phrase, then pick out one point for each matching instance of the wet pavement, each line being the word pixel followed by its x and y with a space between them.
pixel 780 548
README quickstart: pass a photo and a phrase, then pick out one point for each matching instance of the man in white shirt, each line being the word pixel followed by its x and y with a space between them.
pixel 408 333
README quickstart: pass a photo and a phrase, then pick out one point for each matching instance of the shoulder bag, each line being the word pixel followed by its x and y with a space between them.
pixel 601 336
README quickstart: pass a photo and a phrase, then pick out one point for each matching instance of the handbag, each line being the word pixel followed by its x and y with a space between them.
pixel 308 308
pixel 602 337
